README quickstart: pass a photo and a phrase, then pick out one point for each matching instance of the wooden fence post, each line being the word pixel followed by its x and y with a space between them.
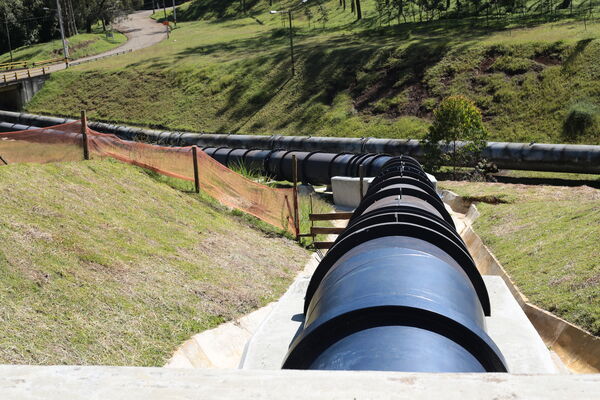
pixel 296 214
pixel 196 176
pixel 361 174
pixel 86 149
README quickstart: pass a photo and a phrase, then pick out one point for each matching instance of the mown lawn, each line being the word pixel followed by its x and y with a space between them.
pixel 82 45
pixel 547 238
pixel 352 79
pixel 101 263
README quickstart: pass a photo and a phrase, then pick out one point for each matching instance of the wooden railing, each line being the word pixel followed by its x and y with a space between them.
pixel 28 64
pixel 17 75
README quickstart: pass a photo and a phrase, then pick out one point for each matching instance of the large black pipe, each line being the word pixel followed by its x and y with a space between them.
pixel 314 168
pixel 521 156
pixel 398 290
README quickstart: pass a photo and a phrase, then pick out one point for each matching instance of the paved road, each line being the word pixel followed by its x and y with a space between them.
pixel 141 32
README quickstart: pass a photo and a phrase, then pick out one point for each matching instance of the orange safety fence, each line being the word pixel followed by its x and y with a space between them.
pixel 65 143
pixel 53 144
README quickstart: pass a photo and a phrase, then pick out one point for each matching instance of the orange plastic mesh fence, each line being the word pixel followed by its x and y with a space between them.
pixel 52 144
pixel 228 187
pixel 65 143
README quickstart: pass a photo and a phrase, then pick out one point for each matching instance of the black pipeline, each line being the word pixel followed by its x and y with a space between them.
pixel 398 290
pixel 522 156
pixel 313 167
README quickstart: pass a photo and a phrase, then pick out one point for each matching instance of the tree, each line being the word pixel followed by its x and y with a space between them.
pixel 456 119
pixel 34 21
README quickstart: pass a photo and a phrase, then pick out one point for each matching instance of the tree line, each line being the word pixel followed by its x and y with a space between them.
pixel 28 22
pixel 403 11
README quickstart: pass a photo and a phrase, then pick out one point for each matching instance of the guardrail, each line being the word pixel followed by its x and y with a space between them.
pixel 118 53
pixel 14 76
pixel 28 64
pixel 26 73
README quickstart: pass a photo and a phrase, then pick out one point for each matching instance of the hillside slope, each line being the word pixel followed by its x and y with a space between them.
pixel 547 239
pixel 102 264
pixel 228 73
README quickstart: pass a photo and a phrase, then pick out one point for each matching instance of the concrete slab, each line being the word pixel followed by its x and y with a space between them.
pixel 269 344
pixel 346 190
pixel 509 327
pixel 221 347
pixel 115 383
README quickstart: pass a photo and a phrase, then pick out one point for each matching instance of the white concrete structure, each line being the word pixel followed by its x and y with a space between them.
pixel 346 190
pixel 116 383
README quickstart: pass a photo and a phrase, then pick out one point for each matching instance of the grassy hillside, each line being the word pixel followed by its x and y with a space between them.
pixel 224 73
pixel 100 263
pixel 547 239
pixel 82 45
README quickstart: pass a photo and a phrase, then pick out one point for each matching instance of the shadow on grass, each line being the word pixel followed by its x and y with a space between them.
pixel 594 183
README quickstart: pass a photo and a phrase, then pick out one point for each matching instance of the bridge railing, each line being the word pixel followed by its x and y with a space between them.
pixel 13 76
pixel 29 64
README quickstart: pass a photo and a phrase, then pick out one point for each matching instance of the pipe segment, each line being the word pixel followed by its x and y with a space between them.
pixel 398 290
pixel 520 156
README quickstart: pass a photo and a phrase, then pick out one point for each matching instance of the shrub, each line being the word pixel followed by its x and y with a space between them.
pixel 582 119
pixel 513 65
pixel 455 119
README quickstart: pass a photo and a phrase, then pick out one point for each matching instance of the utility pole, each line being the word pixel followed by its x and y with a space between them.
pixel 289 13
pixel 62 32
pixel 8 36
pixel 292 43
pixel 174 14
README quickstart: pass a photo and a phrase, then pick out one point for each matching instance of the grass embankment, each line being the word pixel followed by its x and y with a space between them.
pixel 100 263
pixel 225 73
pixel 546 237
pixel 307 204
pixel 82 45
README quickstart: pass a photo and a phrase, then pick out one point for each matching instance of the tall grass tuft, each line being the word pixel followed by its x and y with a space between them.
pixel 583 119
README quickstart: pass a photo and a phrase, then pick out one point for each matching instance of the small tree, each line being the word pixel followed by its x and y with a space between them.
pixel 455 119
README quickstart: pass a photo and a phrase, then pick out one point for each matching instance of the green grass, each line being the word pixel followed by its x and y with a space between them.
pixel 546 237
pixel 82 45
pixel 101 263
pixel 352 79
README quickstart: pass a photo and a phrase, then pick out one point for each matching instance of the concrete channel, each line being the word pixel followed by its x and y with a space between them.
pixel 532 340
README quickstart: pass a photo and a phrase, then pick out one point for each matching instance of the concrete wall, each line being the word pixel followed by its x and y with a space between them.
pixel 346 190
pixel 107 383
pixel 15 96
